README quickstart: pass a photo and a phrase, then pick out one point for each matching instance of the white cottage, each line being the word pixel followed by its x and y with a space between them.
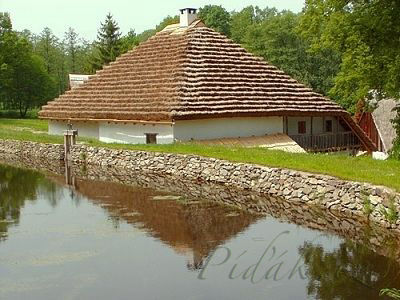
pixel 189 82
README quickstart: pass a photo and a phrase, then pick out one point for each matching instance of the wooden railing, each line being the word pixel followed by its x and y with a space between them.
pixel 327 141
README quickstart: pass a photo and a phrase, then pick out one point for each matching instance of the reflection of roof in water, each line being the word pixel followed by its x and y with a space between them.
pixel 189 227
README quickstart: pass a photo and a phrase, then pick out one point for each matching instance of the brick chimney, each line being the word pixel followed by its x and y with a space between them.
pixel 187 16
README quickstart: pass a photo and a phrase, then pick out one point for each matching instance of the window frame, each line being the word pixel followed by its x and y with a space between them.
pixel 330 127
pixel 301 127
pixel 151 138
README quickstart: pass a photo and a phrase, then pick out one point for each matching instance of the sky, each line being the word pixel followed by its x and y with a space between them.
pixel 85 15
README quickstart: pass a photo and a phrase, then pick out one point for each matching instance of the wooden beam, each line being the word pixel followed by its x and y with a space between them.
pixel 311 131
pixel 286 128
pixel 354 131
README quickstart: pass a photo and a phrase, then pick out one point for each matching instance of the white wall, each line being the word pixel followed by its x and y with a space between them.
pixel 85 129
pixel 185 130
pixel 134 133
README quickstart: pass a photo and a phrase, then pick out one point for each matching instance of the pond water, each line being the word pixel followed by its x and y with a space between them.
pixel 103 240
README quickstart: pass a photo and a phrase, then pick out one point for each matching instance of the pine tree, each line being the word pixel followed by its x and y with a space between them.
pixel 108 42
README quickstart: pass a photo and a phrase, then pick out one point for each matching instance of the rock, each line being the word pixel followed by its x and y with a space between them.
pixel 375 200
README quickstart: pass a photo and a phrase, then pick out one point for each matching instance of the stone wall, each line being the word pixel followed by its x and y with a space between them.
pixel 51 152
pixel 325 192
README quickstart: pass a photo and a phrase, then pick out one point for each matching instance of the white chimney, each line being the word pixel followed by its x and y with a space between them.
pixel 187 16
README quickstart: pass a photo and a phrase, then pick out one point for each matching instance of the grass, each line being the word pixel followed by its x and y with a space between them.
pixel 390 213
pixel 364 169
pixel 367 205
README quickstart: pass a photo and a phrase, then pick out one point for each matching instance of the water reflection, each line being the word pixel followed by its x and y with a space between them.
pixel 348 272
pixel 16 187
pixel 335 267
pixel 192 228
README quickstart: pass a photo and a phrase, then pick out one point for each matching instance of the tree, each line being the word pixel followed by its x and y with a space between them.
pixel 216 17
pixel 108 43
pixel 24 81
pixel 5 23
pixel 366 34
pixel 46 46
pixel 167 21
pixel 71 41
pixel 273 36
pixel 129 41
pixel 248 16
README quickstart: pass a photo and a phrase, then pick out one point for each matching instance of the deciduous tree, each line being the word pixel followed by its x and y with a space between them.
pixel 216 17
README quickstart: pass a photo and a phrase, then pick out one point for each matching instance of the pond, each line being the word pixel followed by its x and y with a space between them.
pixel 104 240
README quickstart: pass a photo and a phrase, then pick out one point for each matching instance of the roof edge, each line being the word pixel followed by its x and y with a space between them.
pixel 108 120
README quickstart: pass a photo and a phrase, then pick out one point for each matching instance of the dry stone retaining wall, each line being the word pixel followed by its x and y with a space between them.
pixel 323 191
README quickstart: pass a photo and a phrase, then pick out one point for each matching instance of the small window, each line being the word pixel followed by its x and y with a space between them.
pixel 328 126
pixel 151 138
pixel 301 127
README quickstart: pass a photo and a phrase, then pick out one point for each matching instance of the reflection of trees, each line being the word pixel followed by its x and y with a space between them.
pixel 16 187
pixel 350 272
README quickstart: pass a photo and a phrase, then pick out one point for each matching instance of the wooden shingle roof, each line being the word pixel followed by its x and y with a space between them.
pixel 188 73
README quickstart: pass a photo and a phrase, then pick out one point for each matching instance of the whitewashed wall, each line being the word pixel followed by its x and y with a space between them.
pixel 186 130
pixel 85 129
pixel 134 133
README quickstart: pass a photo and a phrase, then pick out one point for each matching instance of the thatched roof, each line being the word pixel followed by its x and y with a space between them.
pixel 185 74
pixel 189 73
pixel 383 115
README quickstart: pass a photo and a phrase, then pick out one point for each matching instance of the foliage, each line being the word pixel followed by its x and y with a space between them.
pixel 71 41
pixel 365 33
pixel 108 43
pixel 24 80
pixel 391 214
pixel 275 38
pixel 129 41
pixel 167 21
pixel 395 152
pixel 367 205
pixel 216 17
pixel 392 293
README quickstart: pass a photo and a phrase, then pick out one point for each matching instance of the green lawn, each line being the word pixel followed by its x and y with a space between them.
pixel 352 168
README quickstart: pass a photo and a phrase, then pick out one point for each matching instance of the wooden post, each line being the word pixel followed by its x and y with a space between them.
pixel 286 129
pixel 311 133
pixel 69 141
pixel 337 132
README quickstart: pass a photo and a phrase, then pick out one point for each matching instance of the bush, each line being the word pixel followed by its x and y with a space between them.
pixel 395 153
pixel 14 114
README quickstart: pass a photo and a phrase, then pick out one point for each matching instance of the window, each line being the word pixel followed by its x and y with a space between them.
pixel 151 138
pixel 328 126
pixel 301 127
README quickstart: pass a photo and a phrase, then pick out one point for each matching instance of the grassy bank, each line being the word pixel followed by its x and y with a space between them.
pixel 351 168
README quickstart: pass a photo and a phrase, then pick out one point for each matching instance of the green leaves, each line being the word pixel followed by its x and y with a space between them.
pixel 216 17
pixel 24 81
pixel 367 35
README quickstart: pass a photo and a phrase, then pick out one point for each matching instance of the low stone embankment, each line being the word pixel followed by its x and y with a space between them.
pixel 31 149
pixel 349 198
